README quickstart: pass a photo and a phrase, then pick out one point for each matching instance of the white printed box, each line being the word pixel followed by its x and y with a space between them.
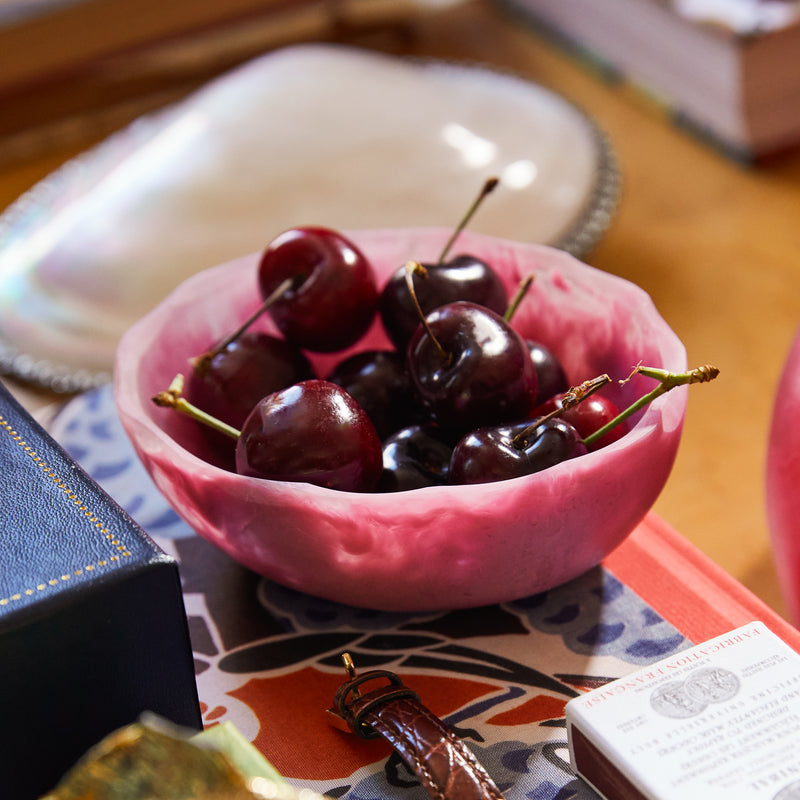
pixel 719 720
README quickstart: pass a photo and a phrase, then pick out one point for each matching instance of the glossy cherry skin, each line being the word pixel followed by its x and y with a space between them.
pixel 313 432
pixel 491 454
pixel 414 457
pixel 249 368
pixel 379 381
pixel 587 417
pixel 334 297
pixel 488 376
pixel 462 278
pixel 552 379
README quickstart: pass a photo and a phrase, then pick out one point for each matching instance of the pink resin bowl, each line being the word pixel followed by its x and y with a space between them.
pixel 437 547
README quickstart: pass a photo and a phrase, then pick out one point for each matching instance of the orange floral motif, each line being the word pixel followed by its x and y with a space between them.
pixel 214 715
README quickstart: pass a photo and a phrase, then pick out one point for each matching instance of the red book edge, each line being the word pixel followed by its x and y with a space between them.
pixel 686 587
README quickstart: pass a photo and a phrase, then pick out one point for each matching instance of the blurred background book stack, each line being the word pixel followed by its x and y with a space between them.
pixel 77 69
pixel 728 70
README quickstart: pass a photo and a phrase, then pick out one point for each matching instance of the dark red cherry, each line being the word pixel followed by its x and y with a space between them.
pixel 549 372
pixel 462 278
pixel 498 453
pixel 229 384
pixel 587 417
pixel 379 381
pixel 313 432
pixel 471 368
pixel 333 294
pixel 414 457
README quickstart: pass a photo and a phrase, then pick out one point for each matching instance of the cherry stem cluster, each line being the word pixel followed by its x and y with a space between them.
pixel 666 381
pixel 571 398
pixel 518 297
pixel 172 398
pixel 488 188
pixel 201 363
pixel 414 268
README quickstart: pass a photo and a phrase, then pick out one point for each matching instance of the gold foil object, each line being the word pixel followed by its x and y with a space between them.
pixel 146 761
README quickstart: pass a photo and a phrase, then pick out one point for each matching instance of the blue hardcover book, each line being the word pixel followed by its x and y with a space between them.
pixel 93 629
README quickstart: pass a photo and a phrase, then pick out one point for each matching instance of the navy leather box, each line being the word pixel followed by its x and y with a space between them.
pixel 92 625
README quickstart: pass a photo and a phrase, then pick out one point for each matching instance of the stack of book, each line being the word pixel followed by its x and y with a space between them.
pixel 728 70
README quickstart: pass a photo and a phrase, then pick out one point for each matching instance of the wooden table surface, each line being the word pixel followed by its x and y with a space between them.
pixel 715 243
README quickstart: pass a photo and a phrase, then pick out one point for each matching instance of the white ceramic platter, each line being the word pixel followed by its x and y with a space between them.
pixel 310 134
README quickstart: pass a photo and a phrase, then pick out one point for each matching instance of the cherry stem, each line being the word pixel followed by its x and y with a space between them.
pixel 518 297
pixel 200 363
pixel 171 398
pixel 571 398
pixel 415 268
pixel 487 188
pixel 667 381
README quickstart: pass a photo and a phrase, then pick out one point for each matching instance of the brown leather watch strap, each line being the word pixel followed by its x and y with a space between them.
pixel 446 767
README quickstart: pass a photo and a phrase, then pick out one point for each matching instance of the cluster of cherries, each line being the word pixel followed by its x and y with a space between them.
pixel 461 397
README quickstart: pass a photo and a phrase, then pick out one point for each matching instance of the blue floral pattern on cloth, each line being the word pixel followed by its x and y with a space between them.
pixel 598 614
pixel 513 666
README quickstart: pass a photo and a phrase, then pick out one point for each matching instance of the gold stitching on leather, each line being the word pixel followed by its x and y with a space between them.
pixel 90 517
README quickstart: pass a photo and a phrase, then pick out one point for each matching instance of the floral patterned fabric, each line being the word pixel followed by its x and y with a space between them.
pixel 269 658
